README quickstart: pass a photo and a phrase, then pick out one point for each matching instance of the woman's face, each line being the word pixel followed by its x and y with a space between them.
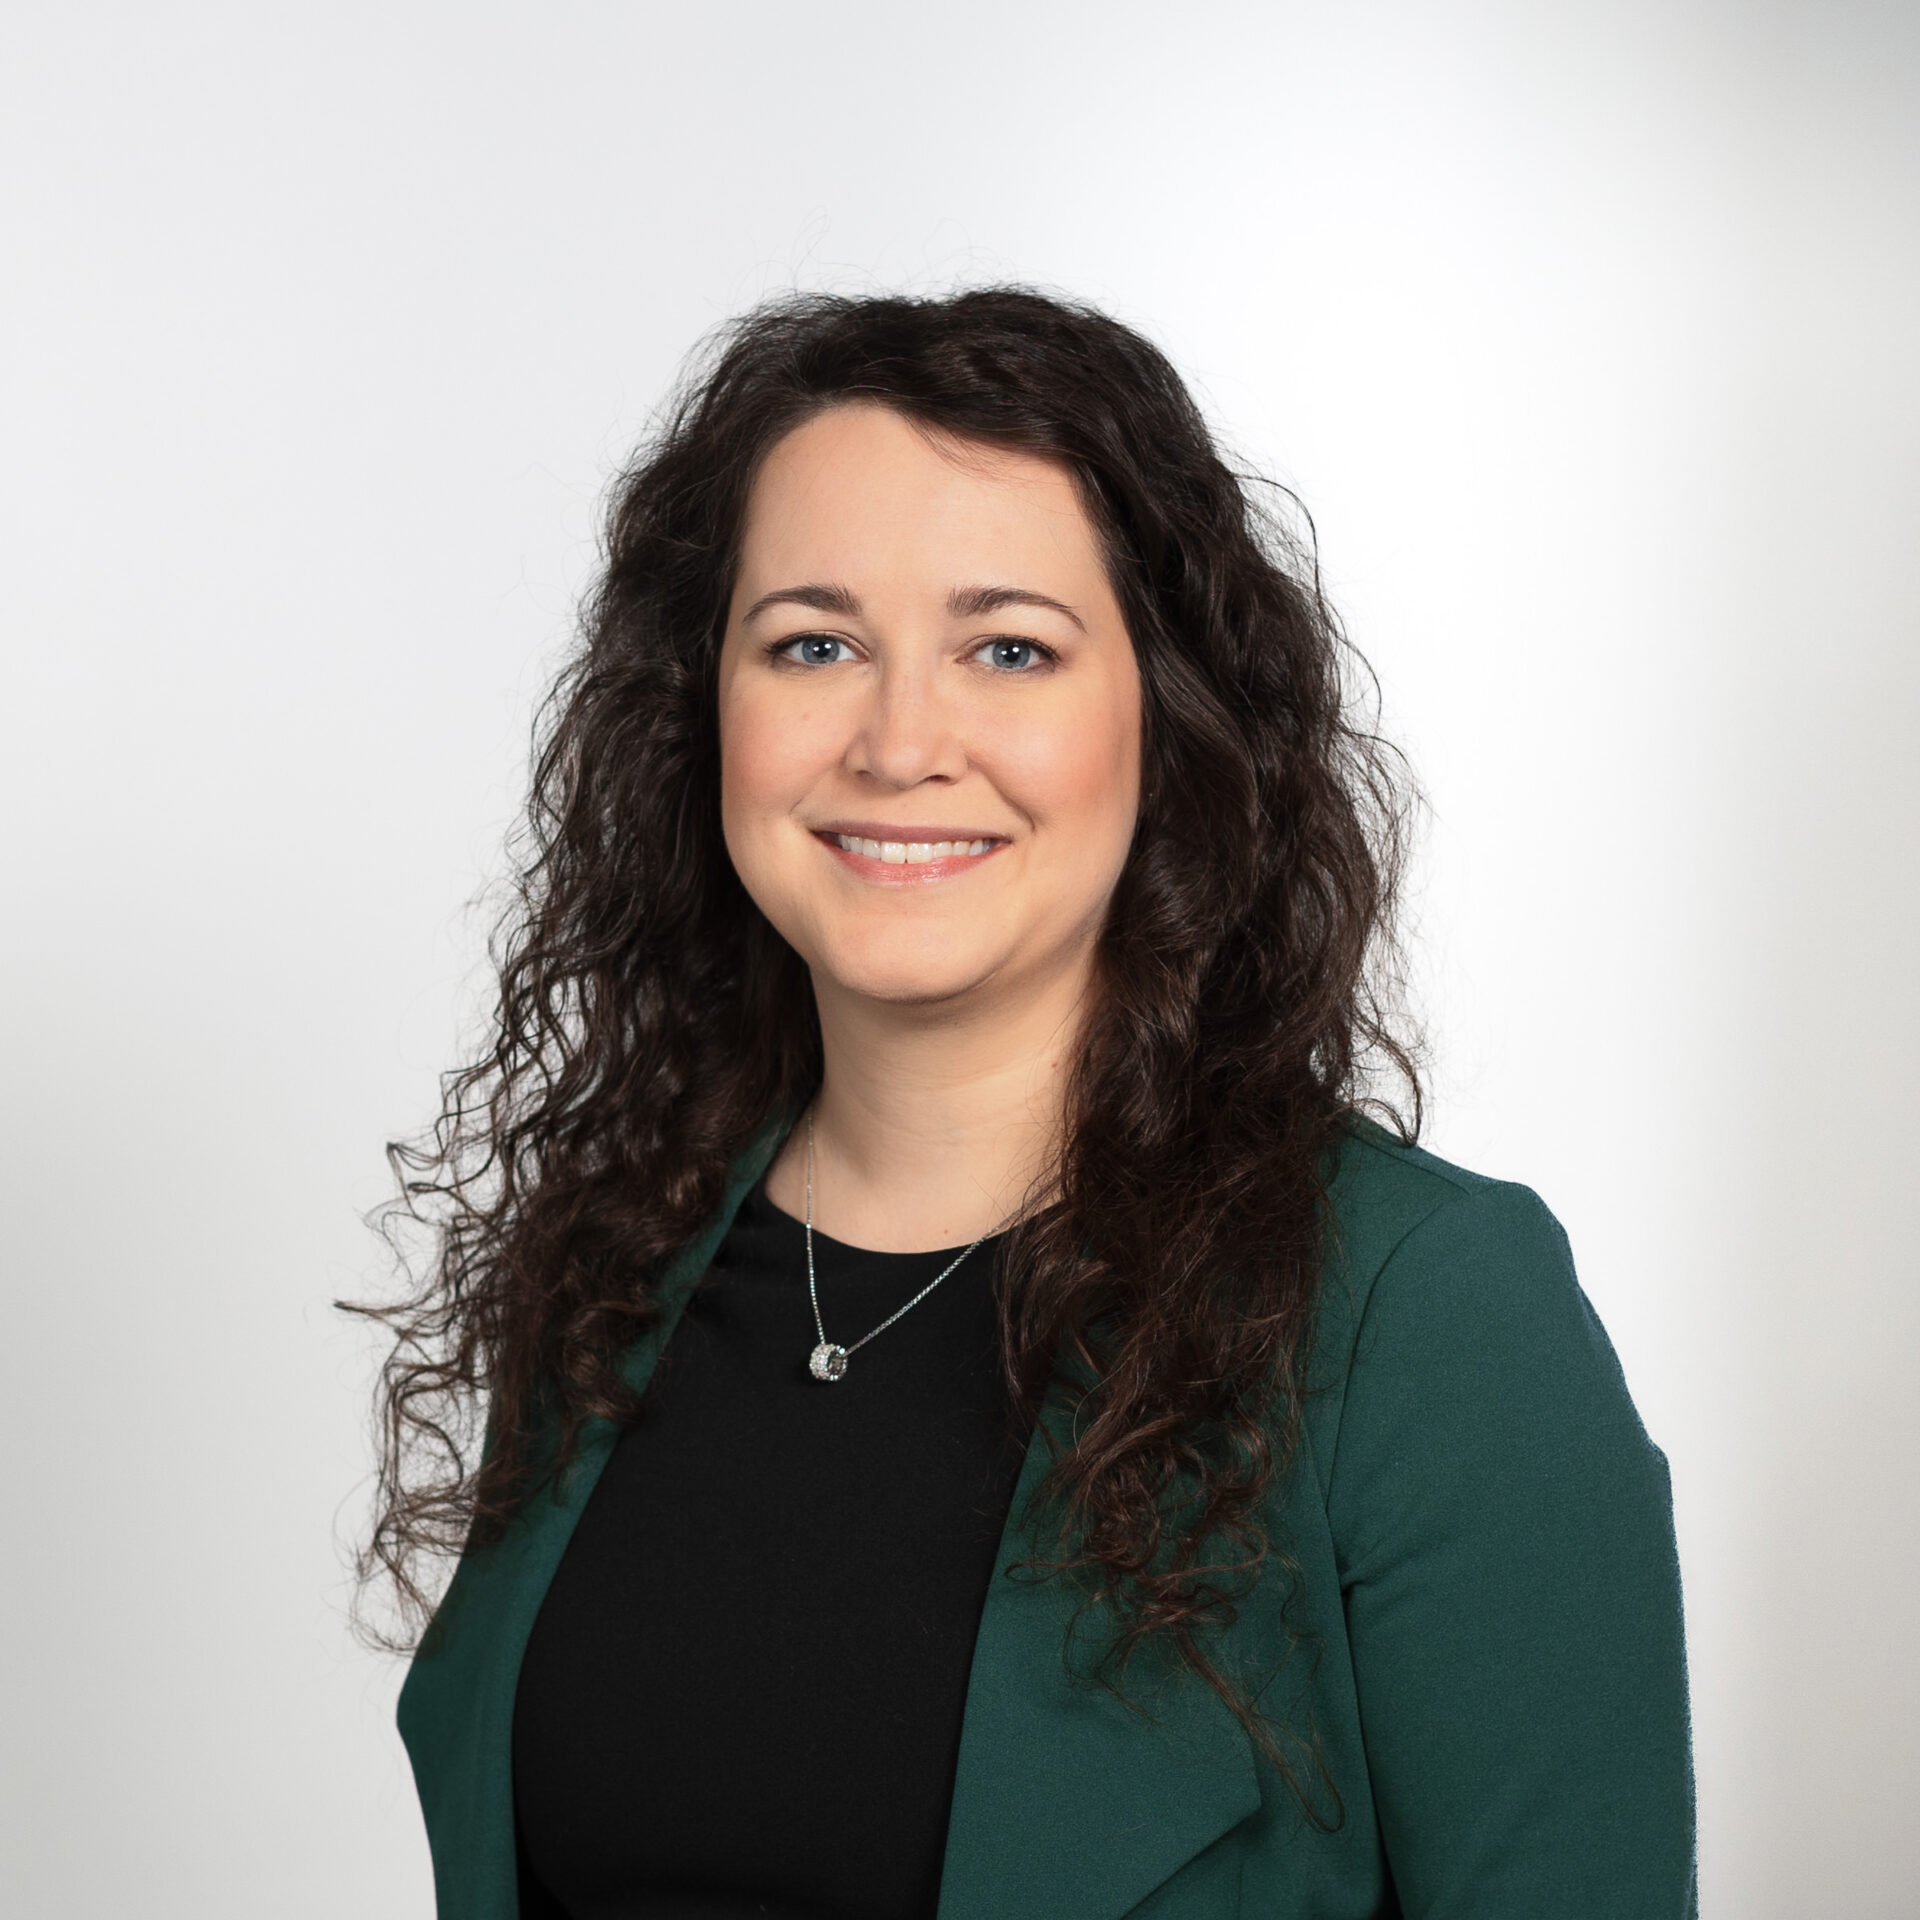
pixel 929 713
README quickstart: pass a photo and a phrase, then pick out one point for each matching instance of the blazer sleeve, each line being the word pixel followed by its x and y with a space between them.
pixel 1503 1529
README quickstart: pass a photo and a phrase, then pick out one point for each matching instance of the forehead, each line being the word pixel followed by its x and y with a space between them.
pixel 860 490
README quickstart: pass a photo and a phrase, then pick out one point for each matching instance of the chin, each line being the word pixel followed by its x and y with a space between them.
pixel 912 973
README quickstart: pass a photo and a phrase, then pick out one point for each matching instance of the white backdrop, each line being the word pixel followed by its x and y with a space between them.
pixel 1586 331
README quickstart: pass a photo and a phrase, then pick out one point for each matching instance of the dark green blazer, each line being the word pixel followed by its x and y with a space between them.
pixel 1481 1630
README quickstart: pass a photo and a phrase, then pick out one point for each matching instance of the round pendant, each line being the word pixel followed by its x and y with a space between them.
pixel 827 1362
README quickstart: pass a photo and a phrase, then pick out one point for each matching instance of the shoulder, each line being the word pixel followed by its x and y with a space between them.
pixel 1395 1210
pixel 1380 1188
pixel 1394 1206
pixel 1450 1298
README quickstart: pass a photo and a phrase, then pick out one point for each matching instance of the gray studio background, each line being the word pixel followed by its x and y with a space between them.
pixel 1585 331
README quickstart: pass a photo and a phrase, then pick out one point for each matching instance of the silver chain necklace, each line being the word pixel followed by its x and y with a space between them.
pixel 828 1361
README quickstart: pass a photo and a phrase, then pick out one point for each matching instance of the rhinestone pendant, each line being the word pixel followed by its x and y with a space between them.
pixel 827 1362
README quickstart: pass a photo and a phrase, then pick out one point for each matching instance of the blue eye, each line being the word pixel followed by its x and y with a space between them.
pixel 1012 656
pixel 814 649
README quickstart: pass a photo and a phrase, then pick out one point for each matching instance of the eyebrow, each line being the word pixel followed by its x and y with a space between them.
pixel 963 603
pixel 970 603
pixel 822 598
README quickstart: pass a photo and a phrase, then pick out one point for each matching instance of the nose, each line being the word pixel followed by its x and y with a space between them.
pixel 908 733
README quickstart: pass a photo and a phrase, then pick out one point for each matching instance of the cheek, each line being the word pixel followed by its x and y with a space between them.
pixel 768 757
pixel 753 775
pixel 1080 773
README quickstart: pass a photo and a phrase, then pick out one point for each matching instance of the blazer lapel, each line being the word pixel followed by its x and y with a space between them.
pixel 456 1708
pixel 1069 1804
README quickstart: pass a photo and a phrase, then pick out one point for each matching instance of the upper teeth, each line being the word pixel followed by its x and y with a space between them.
pixel 910 853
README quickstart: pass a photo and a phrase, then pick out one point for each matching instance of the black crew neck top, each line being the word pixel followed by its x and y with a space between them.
pixel 743 1692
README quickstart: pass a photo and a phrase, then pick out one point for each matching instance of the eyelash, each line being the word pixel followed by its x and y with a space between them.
pixel 782 649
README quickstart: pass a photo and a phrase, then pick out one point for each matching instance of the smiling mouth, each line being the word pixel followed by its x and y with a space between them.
pixel 910 853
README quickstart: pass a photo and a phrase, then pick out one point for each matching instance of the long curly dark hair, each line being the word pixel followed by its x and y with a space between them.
pixel 650 1020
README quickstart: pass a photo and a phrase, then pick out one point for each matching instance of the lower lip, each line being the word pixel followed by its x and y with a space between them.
pixel 888 873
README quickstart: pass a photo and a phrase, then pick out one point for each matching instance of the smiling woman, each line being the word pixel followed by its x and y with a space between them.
pixel 958 893
pixel 854 757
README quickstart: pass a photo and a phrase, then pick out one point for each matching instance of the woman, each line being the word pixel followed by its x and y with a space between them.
pixel 977 1420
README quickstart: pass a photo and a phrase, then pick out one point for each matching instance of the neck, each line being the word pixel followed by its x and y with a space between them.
pixel 932 1125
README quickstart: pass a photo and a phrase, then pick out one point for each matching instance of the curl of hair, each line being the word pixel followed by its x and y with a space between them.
pixel 650 1020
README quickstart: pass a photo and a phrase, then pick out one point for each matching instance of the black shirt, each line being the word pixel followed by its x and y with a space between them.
pixel 743 1692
